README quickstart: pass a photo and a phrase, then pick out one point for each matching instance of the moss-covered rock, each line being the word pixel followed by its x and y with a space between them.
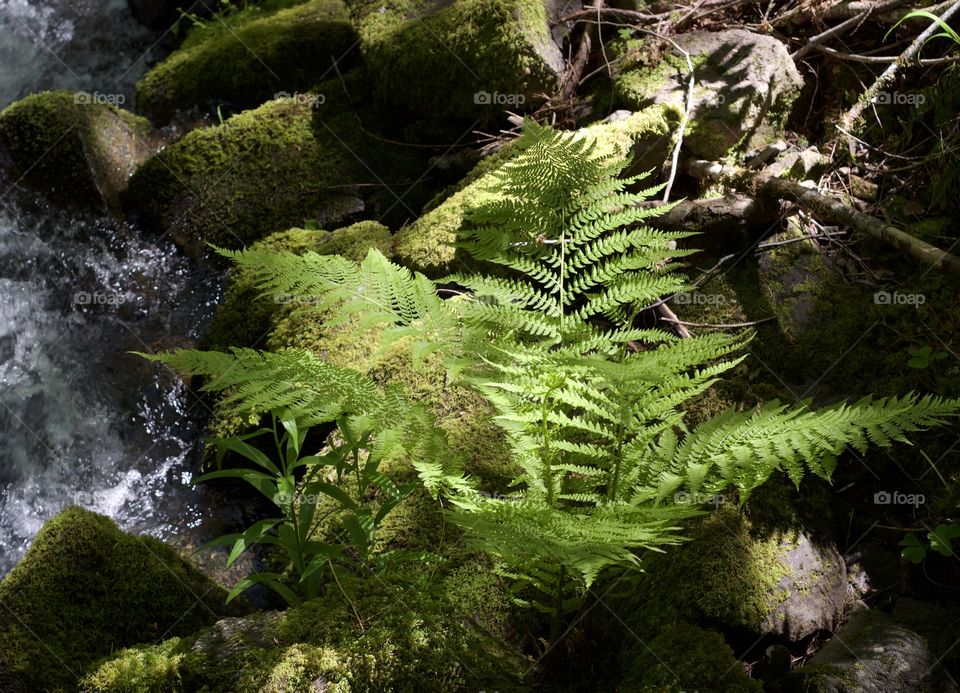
pixel 274 168
pixel 252 60
pixel 426 245
pixel 684 657
pixel 380 634
pixel 73 148
pixel 745 86
pixel 463 59
pixel 244 316
pixel 728 577
pixel 86 589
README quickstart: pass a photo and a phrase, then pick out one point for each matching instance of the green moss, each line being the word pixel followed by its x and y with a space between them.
pixel 684 657
pixel 75 152
pixel 430 58
pixel 724 575
pixel 252 60
pixel 148 669
pixel 273 168
pixel 426 245
pixel 387 633
pixel 85 589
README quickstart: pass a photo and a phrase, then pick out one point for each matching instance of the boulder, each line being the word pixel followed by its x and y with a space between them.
pixel 780 584
pixel 466 59
pixel 426 245
pixel 73 148
pixel 85 589
pixel 258 56
pixel 391 634
pixel 745 86
pixel 870 654
pixel 273 168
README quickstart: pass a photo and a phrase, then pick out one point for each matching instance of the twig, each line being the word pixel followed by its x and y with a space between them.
pixel 851 117
pixel 838 30
pixel 683 124
pixel 667 315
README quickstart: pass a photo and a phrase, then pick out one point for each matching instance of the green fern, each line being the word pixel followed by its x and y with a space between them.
pixel 591 404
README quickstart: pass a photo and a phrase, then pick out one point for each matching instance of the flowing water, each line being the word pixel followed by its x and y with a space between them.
pixel 81 420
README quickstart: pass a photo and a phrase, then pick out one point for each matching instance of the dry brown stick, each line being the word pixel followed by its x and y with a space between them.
pixel 849 120
pixel 571 78
pixel 826 208
pixel 667 315
pixel 859 7
pixel 833 32
pixel 880 59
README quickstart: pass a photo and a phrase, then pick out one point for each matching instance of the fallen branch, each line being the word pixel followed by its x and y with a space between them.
pixel 825 208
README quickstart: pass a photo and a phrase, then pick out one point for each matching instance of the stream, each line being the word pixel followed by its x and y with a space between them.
pixel 82 421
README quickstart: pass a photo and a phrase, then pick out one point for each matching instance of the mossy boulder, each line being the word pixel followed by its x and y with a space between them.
pixel 466 59
pixel 745 86
pixel 244 316
pixel 252 60
pixel 426 245
pixel 85 589
pixel 273 168
pixel 73 148
pixel 684 657
pixel 728 577
pixel 378 634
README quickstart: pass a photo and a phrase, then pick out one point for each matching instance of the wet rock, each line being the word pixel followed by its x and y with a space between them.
pixel 870 654
pixel 745 86
pixel 251 61
pixel 74 148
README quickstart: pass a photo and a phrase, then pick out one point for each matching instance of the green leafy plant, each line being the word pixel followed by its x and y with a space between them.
pixel 940 540
pixel 590 402
pixel 924 357
pixel 346 480
pixel 948 31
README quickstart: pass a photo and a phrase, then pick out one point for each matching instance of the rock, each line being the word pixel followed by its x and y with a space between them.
pixel 870 654
pixel 72 148
pixel 85 589
pixel 779 584
pixel 468 59
pixel 745 86
pixel 389 636
pixel 685 657
pixel 425 245
pixel 273 168
pixel 252 60
pixel 937 623
pixel 873 567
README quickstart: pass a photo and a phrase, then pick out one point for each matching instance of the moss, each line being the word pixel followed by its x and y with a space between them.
pixel 430 58
pixel 426 245
pixel 148 669
pixel 244 317
pixel 85 589
pixel 684 657
pixel 252 60
pixel 386 633
pixel 72 149
pixel 276 167
pixel 723 576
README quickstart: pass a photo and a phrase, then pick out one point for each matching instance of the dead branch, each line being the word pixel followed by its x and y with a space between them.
pixel 763 184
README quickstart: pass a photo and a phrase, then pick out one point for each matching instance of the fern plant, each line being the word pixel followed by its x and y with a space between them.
pixel 348 479
pixel 591 403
